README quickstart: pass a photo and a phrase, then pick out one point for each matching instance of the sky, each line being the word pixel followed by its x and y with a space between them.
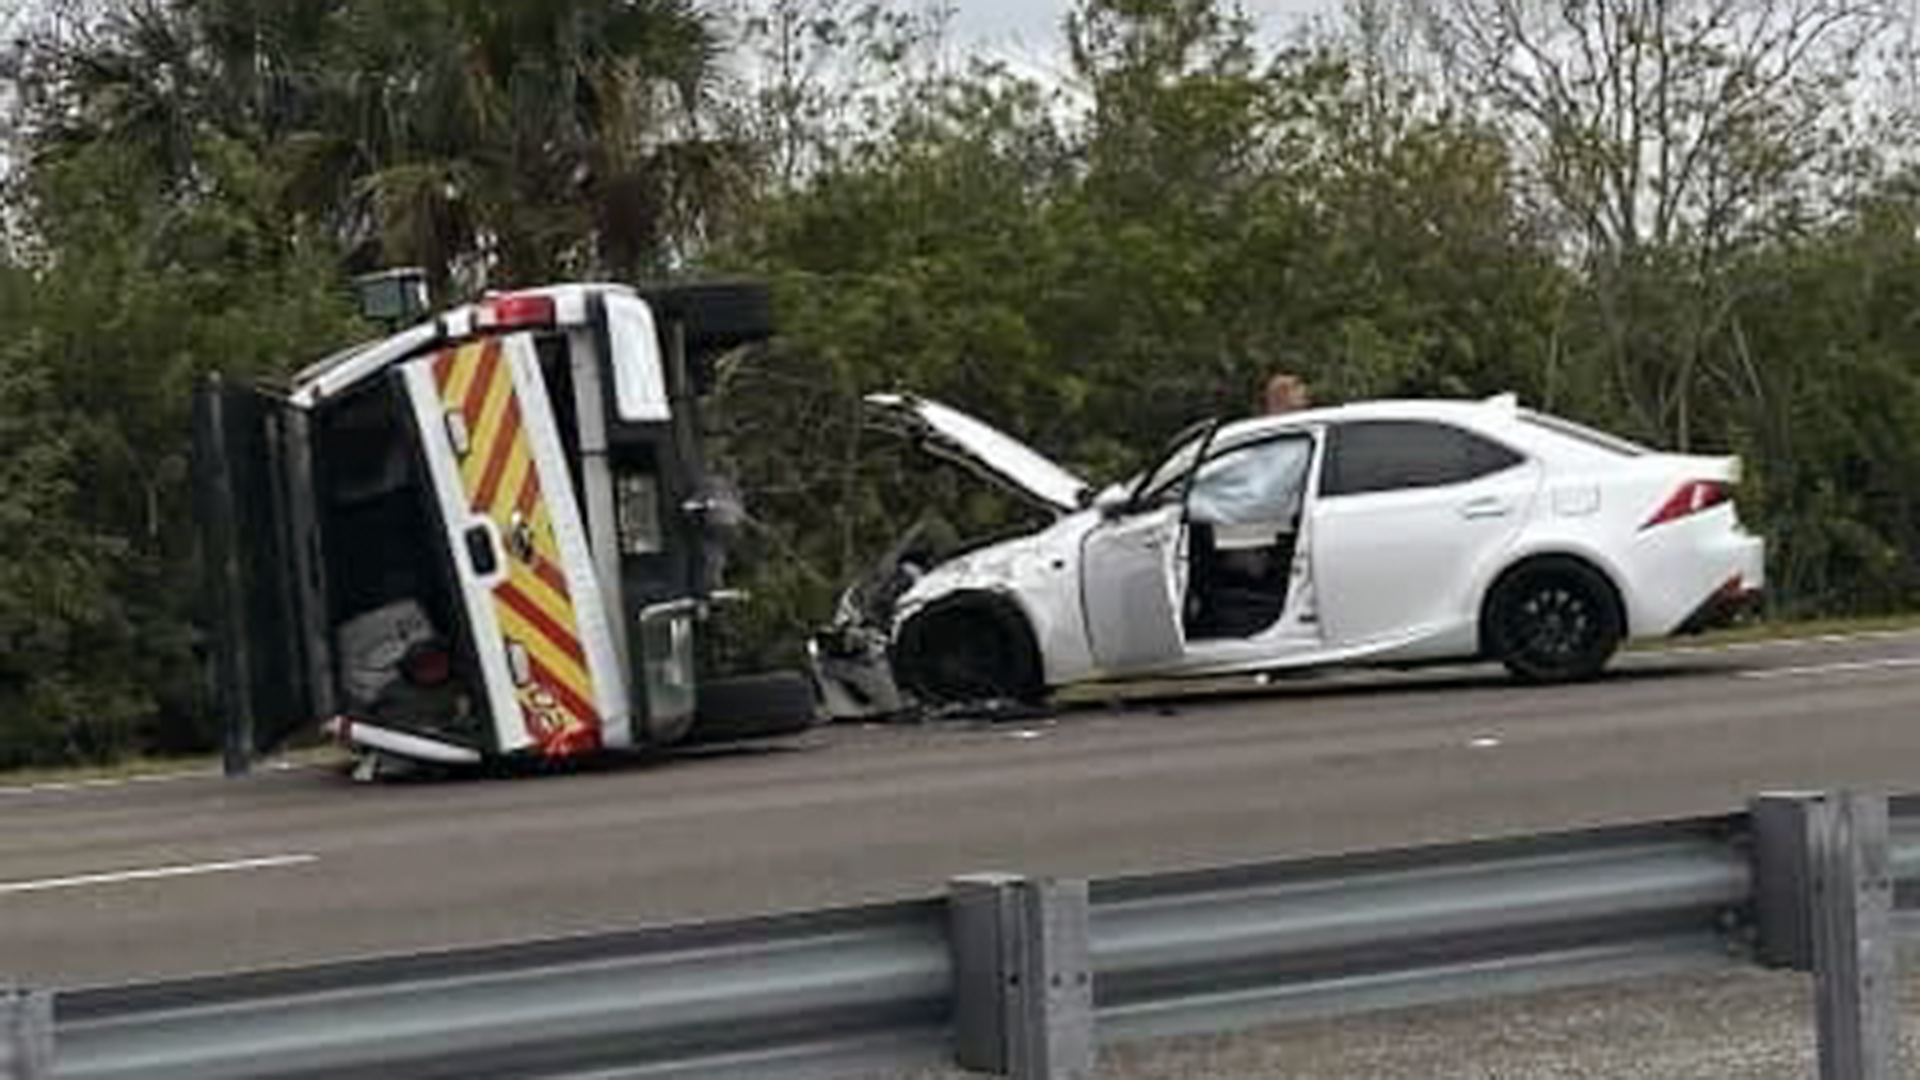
pixel 1036 23
pixel 1027 33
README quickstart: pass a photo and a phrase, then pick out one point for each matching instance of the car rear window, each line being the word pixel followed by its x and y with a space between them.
pixel 1584 434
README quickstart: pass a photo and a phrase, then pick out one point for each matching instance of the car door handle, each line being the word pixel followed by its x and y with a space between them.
pixel 1489 507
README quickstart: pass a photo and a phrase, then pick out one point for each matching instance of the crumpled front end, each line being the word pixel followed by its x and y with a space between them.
pixel 852 675
pixel 852 658
pixel 1027 586
pixel 852 679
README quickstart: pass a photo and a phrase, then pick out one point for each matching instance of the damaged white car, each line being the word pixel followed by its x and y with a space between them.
pixel 1387 533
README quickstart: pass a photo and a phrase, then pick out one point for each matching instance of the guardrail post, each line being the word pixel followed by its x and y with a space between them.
pixel 26 1034
pixel 1023 977
pixel 976 913
pixel 1823 898
pixel 1782 881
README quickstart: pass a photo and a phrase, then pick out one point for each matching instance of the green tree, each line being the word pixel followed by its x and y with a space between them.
pixel 133 286
pixel 1668 137
pixel 57 599
pixel 1096 266
pixel 1826 377
pixel 491 142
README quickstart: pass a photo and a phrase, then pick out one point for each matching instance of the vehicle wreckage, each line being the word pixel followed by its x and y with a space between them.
pixel 489 536
pixel 1387 533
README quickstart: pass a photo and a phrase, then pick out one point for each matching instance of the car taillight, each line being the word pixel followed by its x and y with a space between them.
pixel 516 311
pixel 1693 497
pixel 427 666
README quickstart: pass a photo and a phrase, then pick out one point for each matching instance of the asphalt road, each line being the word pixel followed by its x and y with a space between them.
pixel 127 882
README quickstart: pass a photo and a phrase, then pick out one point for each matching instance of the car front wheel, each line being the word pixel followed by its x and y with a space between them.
pixel 1554 620
pixel 968 653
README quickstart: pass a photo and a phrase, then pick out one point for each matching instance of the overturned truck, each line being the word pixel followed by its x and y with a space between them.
pixel 490 536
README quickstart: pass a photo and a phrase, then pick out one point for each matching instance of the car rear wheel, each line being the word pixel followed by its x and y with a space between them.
pixel 969 652
pixel 1554 620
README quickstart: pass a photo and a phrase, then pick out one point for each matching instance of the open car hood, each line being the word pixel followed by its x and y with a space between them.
pixel 952 435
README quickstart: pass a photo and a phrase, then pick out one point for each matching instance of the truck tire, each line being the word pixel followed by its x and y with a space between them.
pixel 753 707
pixel 717 315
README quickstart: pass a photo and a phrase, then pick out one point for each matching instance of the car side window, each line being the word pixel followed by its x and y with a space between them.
pixel 1257 484
pixel 1391 455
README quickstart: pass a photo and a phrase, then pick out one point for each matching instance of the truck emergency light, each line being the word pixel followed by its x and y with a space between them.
pixel 516 311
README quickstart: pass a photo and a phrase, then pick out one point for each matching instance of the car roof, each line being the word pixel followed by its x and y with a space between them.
pixel 1475 414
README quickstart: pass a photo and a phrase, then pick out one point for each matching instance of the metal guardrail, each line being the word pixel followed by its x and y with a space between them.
pixel 785 996
pixel 1903 842
pixel 1189 953
pixel 1013 976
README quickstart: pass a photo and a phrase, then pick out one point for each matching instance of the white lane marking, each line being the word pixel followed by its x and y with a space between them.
pixel 155 873
pixel 1783 643
pixel 99 783
pixel 1889 663
pixel 1483 742
pixel 107 782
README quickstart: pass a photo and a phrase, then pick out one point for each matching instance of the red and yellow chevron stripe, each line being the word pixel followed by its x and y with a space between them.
pixel 533 605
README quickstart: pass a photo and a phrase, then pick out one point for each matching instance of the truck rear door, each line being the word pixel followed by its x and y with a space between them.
pixel 501 475
pixel 263 578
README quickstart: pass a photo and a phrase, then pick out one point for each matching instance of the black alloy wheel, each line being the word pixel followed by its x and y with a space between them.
pixel 1554 621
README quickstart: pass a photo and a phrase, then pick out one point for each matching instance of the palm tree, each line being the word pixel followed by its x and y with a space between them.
pixel 516 140
pixel 490 141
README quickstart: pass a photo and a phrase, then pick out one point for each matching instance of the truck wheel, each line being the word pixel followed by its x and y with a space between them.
pixel 973 651
pixel 1553 620
pixel 753 707
pixel 717 315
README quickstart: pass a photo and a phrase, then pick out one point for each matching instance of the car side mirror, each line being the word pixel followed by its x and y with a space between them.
pixel 1112 502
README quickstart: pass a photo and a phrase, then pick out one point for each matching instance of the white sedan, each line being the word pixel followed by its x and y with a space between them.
pixel 1387 533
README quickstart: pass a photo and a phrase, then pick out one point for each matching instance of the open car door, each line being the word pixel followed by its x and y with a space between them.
pixel 1133 571
pixel 1133 585
pixel 262 577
